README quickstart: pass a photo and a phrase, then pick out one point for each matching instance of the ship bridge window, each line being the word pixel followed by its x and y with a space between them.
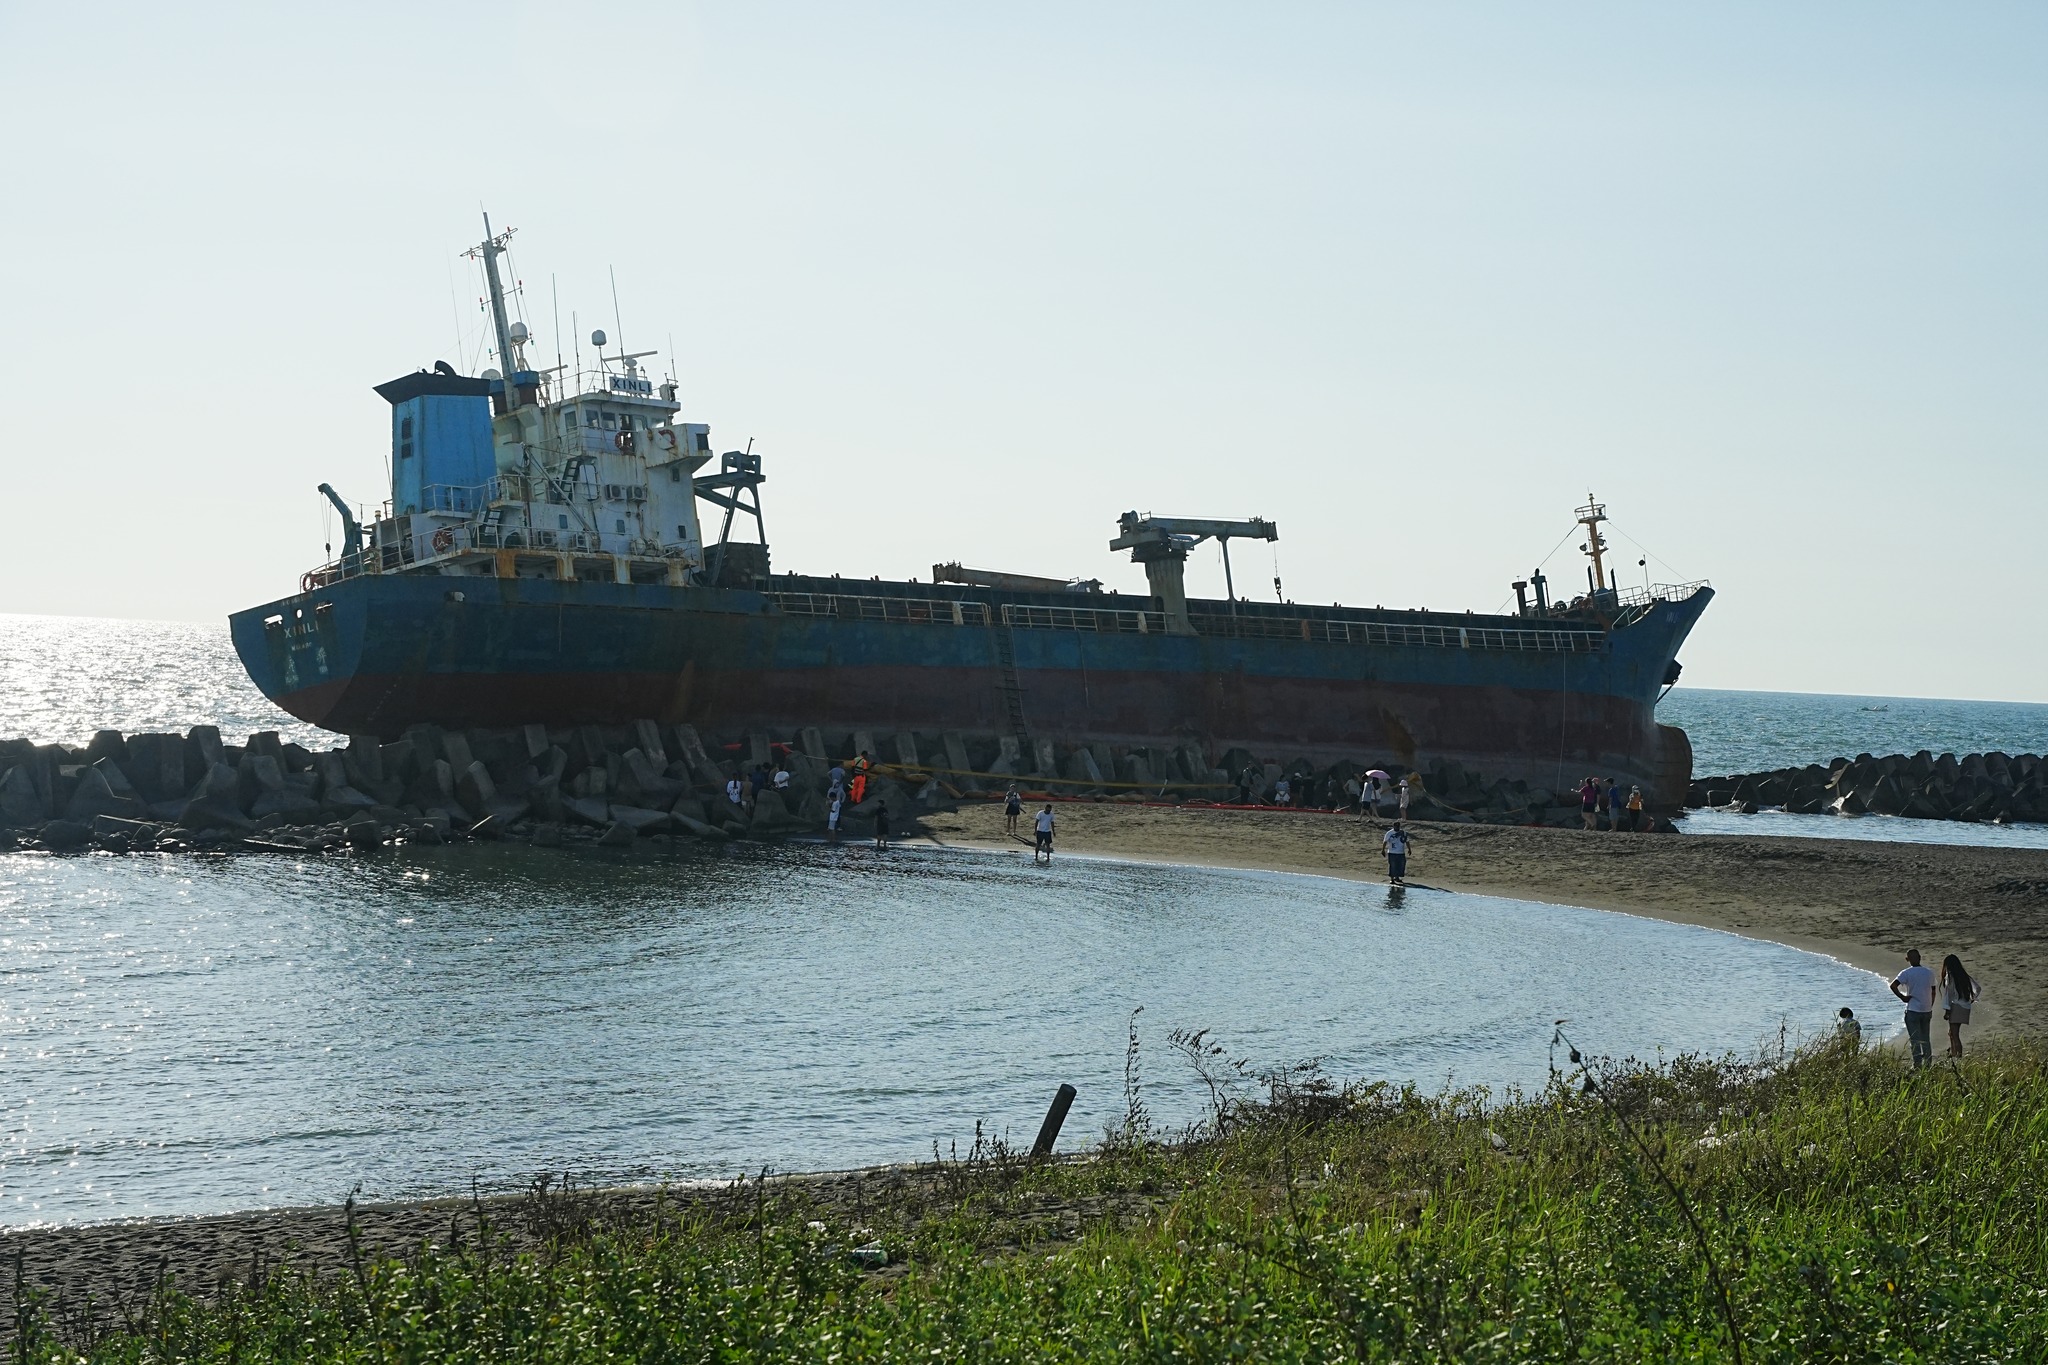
pixel 405 438
pixel 569 419
pixel 702 440
pixel 611 421
pixel 590 417
pixel 562 521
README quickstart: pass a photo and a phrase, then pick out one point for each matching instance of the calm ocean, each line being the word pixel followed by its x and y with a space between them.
pixel 1747 732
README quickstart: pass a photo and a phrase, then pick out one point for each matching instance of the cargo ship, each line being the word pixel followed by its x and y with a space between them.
pixel 544 558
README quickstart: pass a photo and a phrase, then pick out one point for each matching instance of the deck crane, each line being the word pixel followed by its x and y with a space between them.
pixel 351 529
pixel 1161 544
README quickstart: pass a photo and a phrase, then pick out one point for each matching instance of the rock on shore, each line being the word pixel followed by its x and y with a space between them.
pixel 616 785
pixel 1992 787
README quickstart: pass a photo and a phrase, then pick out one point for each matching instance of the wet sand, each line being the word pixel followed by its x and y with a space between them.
pixel 1862 902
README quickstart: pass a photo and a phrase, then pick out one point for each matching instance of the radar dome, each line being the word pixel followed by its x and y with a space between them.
pixel 492 374
pixel 519 333
pixel 597 337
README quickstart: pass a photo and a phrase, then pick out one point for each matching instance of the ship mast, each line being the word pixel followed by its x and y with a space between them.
pixel 490 249
pixel 1590 517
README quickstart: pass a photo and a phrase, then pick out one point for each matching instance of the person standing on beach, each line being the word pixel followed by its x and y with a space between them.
pixel 835 781
pixel 1589 798
pixel 860 776
pixel 1013 807
pixel 1042 829
pixel 1404 799
pixel 1914 985
pixel 836 804
pixel 1394 847
pixel 1959 991
pixel 881 824
pixel 736 793
pixel 1635 809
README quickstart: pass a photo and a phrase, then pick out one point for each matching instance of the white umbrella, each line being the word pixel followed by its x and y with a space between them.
pixel 1381 773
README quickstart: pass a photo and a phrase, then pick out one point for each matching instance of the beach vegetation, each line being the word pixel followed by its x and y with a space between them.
pixel 1816 1205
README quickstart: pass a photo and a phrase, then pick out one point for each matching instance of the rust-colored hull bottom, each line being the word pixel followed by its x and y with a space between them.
pixel 1539 736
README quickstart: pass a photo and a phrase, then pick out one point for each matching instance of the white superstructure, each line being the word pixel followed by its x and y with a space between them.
pixel 569 473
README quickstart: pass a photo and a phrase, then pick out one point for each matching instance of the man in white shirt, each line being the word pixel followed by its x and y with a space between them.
pixel 1914 985
pixel 1394 843
pixel 1042 826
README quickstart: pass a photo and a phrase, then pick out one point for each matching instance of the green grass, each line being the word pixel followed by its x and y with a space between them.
pixel 1835 1207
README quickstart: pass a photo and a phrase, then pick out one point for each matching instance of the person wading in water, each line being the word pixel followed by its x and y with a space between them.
pixel 1042 828
pixel 1394 846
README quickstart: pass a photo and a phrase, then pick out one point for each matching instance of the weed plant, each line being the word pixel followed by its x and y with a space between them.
pixel 1825 1206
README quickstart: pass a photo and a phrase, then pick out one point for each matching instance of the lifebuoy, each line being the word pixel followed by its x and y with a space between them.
pixel 624 441
pixel 444 541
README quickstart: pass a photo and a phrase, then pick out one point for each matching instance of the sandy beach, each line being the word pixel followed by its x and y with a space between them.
pixel 1862 902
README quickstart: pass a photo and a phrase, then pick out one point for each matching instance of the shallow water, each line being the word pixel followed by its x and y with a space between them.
pixel 1890 829
pixel 186 1034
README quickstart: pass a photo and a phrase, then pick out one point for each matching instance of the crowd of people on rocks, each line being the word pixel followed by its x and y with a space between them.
pixel 846 785
pixel 1374 792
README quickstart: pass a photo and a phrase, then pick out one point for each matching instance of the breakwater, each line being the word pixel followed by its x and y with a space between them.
pixel 618 784
pixel 1992 787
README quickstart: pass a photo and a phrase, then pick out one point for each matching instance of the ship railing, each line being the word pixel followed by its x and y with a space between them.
pixel 1658 592
pixel 460 499
pixel 919 611
pixel 1398 634
pixel 1102 620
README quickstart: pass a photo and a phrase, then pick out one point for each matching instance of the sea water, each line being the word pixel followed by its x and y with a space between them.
pixel 1750 732
pixel 185 1034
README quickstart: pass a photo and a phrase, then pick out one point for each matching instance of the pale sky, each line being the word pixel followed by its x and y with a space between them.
pixel 1771 281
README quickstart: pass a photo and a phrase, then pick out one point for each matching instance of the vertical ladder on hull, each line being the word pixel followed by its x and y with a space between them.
pixel 1006 666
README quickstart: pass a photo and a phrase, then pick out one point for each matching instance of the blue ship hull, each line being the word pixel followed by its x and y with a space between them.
pixel 1546 699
